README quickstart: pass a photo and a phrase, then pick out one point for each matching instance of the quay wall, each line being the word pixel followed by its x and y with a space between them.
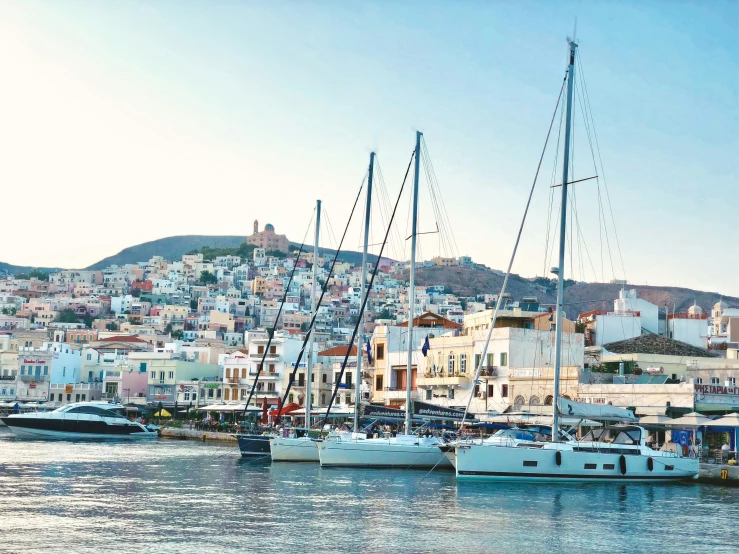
pixel 191 434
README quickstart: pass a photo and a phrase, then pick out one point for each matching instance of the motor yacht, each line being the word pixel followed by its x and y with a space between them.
pixel 88 420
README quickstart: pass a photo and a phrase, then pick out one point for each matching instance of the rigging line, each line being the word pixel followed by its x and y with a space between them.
pixel 384 205
pixel 434 204
pixel 277 319
pixel 443 204
pixel 442 224
pixel 291 380
pixel 605 184
pixel 601 220
pixel 515 247
pixel 366 296
pixel 547 257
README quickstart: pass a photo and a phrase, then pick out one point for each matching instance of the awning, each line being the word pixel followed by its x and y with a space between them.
pixel 229 408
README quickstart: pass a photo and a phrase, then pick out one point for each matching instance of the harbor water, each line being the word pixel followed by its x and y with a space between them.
pixel 186 496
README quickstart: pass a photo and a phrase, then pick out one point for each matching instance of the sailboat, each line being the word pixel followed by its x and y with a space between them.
pixel 403 450
pixel 617 453
pixel 300 447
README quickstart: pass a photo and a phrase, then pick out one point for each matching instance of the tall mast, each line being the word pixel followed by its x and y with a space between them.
pixel 412 287
pixel 309 372
pixel 362 292
pixel 562 236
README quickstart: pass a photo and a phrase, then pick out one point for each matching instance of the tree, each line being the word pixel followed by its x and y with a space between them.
pixel 177 334
pixel 67 315
pixel 385 314
pixel 112 326
pixel 305 326
pixel 38 274
pixel 207 277
pixel 135 292
pixel 87 319
pixel 168 329
pixel 194 304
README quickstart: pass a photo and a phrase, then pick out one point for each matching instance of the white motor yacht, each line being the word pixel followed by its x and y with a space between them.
pixel 88 420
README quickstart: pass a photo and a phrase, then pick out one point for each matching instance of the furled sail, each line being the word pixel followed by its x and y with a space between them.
pixel 598 412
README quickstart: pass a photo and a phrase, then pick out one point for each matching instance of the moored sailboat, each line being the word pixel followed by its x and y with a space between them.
pixel 617 453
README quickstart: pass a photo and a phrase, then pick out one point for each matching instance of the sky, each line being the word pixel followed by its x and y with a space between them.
pixel 124 122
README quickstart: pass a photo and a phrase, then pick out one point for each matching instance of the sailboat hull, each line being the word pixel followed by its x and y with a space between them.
pixel 382 453
pixel 540 463
pixel 301 449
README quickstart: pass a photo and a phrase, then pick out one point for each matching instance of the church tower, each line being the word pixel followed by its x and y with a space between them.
pixel 256 226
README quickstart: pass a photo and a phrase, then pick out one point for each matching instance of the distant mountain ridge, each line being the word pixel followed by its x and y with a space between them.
pixel 172 248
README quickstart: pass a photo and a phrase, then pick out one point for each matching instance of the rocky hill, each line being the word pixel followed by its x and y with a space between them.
pixel 579 297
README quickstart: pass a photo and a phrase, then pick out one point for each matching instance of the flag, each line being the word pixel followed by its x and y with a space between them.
pixel 426 347
pixel 369 352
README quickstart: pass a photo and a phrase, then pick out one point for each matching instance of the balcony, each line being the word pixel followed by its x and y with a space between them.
pixel 30 378
pixel 443 379
pixel 269 356
pixel 394 393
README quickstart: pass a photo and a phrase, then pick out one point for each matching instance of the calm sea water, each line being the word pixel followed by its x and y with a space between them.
pixel 185 496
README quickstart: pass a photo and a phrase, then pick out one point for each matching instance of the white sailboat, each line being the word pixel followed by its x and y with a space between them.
pixel 303 448
pixel 616 453
pixel 404 450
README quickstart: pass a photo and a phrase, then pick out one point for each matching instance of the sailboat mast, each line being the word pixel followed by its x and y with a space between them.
pixel 562 237
pixel 363 291
pixel 309 372
pixel 412 288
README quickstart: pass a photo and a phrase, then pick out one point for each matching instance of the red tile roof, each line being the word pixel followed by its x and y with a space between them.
pixel 123 338
pixel 430 319
pixel 339 351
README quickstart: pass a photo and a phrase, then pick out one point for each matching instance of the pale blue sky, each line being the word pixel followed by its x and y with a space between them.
pixel 123 122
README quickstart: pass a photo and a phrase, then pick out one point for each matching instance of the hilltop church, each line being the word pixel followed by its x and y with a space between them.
pixel 268 239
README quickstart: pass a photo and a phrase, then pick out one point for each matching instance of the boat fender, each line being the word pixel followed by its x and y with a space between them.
pixel 650 464
pixel 558 458
pixel 622 464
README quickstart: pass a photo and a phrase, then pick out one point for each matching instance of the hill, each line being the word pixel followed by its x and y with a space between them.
pixel 172 248
pixel 10 269
pixel 579 297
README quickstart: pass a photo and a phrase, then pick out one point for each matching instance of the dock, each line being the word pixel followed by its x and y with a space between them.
pixel 719 474
pixel 192 434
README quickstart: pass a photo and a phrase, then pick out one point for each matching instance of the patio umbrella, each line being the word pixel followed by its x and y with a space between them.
pixel 286 410
pixel 693 420
pixel 265 418
pixel 660 420
pixel 162 413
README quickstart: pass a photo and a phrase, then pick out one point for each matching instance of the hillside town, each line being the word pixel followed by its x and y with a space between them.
pixel 192 332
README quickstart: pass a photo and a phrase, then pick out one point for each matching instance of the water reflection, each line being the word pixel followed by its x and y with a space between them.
pixel 172 496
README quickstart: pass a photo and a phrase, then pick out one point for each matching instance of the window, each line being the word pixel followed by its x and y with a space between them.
pixel 714 380
pixel 84 396
pixel 187 395
pixel 504 359
pixel 77 397
pixel 46 370
pixel 89 357
pixel 23 370
pixel 450 364
pixel 218 393
pixel 698 381
pixel 380 352
pixel 732 381
pixel 194 396
pixel 323 398
pixel 349 380
pixel 69 398
pixel 491 360
pixel 504 391
pixel 451 394
pixel 161 377
pixel 301 379
pixel 325 378
pixel 428 394
pixel 463 363
pixel 491 390
pixel 171 374
pixel 153 374
pixel 270 387
pixel 378 382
